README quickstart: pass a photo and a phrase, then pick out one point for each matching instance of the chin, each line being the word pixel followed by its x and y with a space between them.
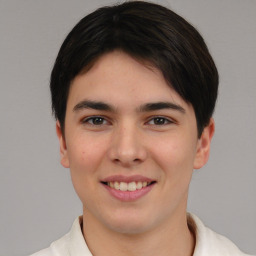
pixel 129 223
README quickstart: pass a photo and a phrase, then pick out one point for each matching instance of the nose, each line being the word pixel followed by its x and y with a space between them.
pixel 127 148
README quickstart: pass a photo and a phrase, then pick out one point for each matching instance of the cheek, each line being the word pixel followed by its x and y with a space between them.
pixel 85 154
pixel 85 157
pixel 175 156
pixel 175 150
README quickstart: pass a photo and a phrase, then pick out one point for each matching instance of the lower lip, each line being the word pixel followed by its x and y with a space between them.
pixel 129 196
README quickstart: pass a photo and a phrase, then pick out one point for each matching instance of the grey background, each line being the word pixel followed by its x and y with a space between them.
pixel 37 200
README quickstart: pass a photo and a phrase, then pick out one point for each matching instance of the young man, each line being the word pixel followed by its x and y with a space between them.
pixel 133 92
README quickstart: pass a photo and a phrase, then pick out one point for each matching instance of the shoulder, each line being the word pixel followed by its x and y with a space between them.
pixel 72 243
pixel 44 252
pixel 57 248
pixel 209 242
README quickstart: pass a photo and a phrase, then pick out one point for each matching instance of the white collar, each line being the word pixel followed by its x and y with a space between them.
pixel 207 241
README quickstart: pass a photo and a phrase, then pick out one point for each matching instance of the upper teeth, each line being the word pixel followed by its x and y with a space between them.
pixel 131 186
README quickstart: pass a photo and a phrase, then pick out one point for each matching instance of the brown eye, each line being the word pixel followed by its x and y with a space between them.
pixel 159 121
pixel 97 120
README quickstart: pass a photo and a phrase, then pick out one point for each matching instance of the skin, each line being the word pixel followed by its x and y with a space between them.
pixel 129 140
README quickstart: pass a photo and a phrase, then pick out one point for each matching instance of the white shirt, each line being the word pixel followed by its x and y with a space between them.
pixel 208 243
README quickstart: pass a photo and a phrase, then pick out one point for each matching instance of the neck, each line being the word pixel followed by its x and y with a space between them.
pixel 172 238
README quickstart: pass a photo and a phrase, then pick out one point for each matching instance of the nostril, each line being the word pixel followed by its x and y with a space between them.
pixel 127 162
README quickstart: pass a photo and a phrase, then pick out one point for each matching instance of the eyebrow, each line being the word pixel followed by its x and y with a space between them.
pixel 161 105
pixel 98 105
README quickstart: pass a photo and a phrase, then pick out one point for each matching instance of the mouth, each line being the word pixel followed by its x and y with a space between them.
pixel 128 186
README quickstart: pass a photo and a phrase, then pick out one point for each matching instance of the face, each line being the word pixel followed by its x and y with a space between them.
pixel 131 145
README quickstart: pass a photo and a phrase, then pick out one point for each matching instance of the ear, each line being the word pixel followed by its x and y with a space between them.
pixel 203 145
pixel 63 148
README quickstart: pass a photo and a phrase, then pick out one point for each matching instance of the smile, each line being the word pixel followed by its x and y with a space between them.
pixel 128 186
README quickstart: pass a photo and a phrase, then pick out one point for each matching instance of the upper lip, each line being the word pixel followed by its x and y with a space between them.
pixel 123 178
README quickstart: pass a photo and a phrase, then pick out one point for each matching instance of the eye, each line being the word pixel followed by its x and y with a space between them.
pixel 95 120
pixel 159 121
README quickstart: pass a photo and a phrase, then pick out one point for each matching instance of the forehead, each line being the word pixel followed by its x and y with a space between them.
pixel 117 77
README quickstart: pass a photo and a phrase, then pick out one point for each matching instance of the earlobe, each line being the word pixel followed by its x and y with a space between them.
pixel 63 148
pixel 203 146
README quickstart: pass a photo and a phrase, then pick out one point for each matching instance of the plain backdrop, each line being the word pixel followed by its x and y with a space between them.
pixel 37 200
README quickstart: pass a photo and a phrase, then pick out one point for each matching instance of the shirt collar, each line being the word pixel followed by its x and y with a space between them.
pixel 77 244
pixel 207 242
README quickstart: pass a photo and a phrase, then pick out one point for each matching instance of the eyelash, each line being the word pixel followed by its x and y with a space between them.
pixel 162 119
pixel 90 120
pixel 93 118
